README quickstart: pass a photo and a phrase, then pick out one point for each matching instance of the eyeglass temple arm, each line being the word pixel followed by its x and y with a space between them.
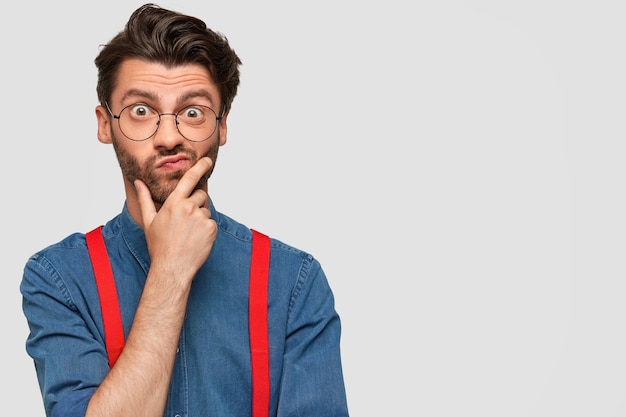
pixel 106 104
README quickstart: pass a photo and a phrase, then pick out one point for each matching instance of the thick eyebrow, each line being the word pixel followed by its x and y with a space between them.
pixel 140 93
pixel 197 93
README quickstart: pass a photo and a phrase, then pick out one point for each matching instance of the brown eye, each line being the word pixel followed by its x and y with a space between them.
pixel 140 111
pixel 192 115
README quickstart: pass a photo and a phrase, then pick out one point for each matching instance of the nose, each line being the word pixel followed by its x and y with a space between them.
pixel 167 135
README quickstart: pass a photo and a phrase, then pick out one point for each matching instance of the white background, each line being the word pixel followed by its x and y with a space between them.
pixel 456 166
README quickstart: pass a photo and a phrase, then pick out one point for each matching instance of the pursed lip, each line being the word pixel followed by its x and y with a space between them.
pixel 172 160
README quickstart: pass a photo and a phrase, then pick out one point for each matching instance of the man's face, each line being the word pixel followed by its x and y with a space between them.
pixel 161 160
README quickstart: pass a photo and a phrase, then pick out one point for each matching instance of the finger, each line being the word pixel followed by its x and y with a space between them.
pixel 206 212
pixel 146 205
pixel 191 178
pixel 200 198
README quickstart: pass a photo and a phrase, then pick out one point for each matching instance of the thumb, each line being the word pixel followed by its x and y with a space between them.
pixel 146 205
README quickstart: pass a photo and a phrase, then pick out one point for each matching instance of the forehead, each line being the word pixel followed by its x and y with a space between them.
pixel 163 85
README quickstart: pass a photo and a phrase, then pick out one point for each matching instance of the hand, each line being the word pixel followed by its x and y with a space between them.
pixel 180 235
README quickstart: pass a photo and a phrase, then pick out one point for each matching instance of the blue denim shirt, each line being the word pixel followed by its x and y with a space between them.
pixel 211 376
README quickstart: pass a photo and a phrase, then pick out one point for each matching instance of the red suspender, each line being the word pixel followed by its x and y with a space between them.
pixel 113 330
pixel 257 322
pixel 257 313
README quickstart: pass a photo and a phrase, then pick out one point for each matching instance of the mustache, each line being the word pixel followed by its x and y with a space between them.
pixel 178 149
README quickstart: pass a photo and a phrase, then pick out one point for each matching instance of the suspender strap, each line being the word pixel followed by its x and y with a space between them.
pixel 113 330
pixel 257 321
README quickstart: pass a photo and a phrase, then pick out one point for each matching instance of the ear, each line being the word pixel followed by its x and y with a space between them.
pixel 104 125
pixel 223 129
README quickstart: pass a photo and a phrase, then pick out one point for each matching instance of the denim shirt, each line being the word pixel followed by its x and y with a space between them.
pixel 211 376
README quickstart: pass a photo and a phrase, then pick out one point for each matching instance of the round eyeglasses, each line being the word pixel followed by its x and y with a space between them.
pixel 139 122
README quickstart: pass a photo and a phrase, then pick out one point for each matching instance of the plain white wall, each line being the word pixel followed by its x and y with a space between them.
pixel 455 166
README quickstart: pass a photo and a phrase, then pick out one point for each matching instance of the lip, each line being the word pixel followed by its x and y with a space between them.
pixel 174 162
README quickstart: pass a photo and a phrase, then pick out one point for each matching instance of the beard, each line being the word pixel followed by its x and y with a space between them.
pixel 161 185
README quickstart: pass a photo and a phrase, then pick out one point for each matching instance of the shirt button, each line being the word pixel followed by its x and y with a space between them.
pixel 177 415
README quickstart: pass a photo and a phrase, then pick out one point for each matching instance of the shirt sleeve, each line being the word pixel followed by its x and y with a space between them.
pixel 312 380
pixel 70 361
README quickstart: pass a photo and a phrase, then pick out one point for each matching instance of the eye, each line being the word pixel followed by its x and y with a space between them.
pixel 141 111
pixel 192 113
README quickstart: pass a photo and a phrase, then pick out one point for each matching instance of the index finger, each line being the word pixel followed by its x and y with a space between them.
pixel 146 205
pixel 188 182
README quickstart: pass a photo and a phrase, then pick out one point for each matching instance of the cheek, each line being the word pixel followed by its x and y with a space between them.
pixel 197 150
pixel 139 151
pixel 131 160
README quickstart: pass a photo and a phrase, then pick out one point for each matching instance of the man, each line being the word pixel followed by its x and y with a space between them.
pixel 181 269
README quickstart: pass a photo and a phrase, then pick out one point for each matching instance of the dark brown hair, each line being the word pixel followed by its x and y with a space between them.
pixel 169 38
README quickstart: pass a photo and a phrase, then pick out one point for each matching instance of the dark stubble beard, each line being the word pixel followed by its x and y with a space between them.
pixel 161 185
